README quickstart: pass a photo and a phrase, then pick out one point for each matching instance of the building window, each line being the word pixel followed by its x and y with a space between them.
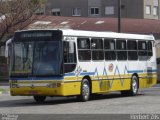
pixel 148 9
pixel 56 12
pixel 155 10
pixel 109 10
pixel 94 11
pixel 76 12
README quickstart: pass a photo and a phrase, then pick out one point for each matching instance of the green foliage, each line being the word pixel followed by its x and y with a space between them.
pixel 3 90
pixel 38 1
pixel 35 1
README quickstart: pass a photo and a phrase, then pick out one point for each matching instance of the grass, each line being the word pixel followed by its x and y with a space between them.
pixel 3 90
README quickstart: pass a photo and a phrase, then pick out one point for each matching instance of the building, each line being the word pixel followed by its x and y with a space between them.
pixel 141 9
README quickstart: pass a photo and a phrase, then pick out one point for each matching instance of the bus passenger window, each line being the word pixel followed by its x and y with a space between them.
pixel 83 43
pixel 109 47
pixel 121 55
pixel 142 45
pixel 121 45
pixel 96 43
pixel 109 44
pixel 132 50
pixel 132 55
pixel 97 49
pixel 110 55
pixel 121 49
pixel 142 50
pixel 97 55
pixel 84 52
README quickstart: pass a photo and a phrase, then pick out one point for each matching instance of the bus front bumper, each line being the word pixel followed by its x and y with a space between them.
pixel 45 89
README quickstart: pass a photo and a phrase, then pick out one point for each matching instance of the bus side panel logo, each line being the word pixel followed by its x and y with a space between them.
pixel 110 67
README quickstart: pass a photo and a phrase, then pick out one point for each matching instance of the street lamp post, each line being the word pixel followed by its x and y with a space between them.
pixel 119 16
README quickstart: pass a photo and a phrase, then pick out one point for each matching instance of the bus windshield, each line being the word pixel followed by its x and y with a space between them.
pixel 47 58
pixel 22 58
pixel 37 58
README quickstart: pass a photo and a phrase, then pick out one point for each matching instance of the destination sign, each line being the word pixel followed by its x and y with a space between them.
pixel 36 34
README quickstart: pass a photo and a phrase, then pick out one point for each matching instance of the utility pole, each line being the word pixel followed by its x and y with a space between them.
pixel 119 16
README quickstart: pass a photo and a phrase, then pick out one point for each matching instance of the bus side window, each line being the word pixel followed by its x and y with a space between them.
pixel 69 56
pixel 83 43
pixel 132 50
pixel 97 49
pixel 84 51
pixel 142 50
pixel 109 49
pixel 121 49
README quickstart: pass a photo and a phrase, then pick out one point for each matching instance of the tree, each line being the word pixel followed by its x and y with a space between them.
pixel 15 15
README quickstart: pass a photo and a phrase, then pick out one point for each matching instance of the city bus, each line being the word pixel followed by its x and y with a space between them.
pixel 80 63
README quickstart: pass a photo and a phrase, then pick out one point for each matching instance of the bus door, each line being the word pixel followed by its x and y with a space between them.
pixel 69 57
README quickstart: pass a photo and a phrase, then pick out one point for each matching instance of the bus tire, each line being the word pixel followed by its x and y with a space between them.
pixel 39 99
pixel 85 91
pixel 133 87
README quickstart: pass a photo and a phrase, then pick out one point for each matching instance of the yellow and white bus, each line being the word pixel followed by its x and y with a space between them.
pixel 80 63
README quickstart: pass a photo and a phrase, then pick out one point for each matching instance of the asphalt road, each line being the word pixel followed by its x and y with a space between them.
pixel 147 101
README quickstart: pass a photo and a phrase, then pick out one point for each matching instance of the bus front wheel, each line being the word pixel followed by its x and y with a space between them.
pixel 39 99
pixel 85 91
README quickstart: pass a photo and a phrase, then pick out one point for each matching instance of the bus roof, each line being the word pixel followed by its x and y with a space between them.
pixel 81 33
pixel 99 34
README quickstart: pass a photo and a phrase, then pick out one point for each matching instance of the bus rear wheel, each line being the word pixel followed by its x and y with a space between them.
pixel 85 91
pixel 133 87
pixel 39 99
